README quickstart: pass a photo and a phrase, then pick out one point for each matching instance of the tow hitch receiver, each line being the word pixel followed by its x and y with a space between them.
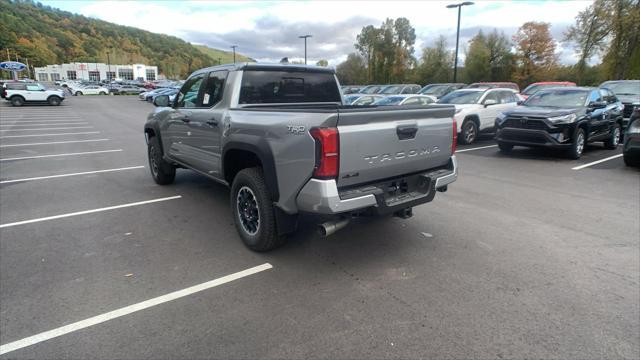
pixel 404 213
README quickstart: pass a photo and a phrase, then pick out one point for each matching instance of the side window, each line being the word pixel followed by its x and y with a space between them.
pixel 426 101
pixel 188 95
pixel 506 97
pixel 492 95
pixel 412 101
pixel 406 90
pixel 214 88
pixel 33 88
pixel 595 96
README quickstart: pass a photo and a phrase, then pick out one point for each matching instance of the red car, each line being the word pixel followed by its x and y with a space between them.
pixel 535 87
pixel 493 85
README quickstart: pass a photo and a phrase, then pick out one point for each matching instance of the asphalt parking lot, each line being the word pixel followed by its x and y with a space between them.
pixel 528 254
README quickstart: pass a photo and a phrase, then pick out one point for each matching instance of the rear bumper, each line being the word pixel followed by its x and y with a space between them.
pixel 528 137
pixel 324 197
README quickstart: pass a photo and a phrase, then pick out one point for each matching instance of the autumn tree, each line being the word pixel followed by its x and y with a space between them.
pixel 535 53
pixel 322 62
pixel 622 58
pixel 436 63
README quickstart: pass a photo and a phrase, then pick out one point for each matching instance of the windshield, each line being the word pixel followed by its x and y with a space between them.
pixel 349 99
pixel 532 89
pixel 558 98
pixel 623 88
pixel 391 90
pixel 435 90
pixel 391 100
pixel 461 97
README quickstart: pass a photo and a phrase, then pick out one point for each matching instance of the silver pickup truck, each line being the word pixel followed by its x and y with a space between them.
pixel 281 138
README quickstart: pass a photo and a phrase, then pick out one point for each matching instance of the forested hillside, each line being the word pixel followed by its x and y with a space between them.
pixel 45 35
pixel 225 57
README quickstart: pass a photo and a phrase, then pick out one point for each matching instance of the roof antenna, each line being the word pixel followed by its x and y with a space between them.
pixel 285 60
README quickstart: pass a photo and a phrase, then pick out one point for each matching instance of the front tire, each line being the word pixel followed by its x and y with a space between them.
pixel 631 161
pixel 577 147
pixel 253 212
pixel 78 93
pixel 103 93
pixel 17 101
pixel 54 101
pixel 468 132
pixel 612 142
pixel 162 172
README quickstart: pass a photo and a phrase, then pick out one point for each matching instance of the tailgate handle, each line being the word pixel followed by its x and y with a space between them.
pixel 406 131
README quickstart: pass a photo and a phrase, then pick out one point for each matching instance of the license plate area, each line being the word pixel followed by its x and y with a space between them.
pixel 405 189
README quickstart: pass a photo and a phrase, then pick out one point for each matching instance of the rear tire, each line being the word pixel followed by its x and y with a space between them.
pixel 253 212
pixel 54 101
pixel 504 147
pixel 162 172
pixel 630 161
pixel 78 93
pixel 17 101
pixel 577 147
pixel 468 132
pixel 614 139
pixel 103 93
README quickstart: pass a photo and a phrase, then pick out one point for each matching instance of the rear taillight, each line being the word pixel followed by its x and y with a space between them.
pixel 454 141
pixel 327 152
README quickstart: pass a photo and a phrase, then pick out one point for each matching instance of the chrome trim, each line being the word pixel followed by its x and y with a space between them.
pixel 445 180
pixel 321 196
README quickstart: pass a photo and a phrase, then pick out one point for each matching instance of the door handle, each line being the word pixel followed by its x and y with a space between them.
pixel 212 122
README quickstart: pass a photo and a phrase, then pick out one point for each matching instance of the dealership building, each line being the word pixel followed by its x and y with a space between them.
pixel 96 72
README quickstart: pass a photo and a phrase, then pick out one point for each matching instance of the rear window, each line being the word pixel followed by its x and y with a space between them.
pixel 15 86
pixel 273 87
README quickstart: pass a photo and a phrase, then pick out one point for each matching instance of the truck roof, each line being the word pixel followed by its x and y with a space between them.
pixel 267 66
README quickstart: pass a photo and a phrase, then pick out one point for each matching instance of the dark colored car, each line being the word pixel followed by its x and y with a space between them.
pixel 631 149
pixel 398 89
pixel 628 91
pixel 492 85
pixel 564 118
pixel 440 90
pixel 126 89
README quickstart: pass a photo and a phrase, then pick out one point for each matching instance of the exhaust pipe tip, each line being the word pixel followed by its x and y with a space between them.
pixel 330 227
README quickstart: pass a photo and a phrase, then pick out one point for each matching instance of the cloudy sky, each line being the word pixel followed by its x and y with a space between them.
pixel 269 30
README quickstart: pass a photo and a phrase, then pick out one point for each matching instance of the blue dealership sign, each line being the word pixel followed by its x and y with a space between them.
pixel 12 66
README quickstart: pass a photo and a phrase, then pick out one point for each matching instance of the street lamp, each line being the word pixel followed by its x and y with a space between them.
pixel 234 52
pixel 305 46
pixel 109 78
pixel 455 63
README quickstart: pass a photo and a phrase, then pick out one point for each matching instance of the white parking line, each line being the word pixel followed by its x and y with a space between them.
pixel 55 155
pixel 45 124
pixel 47 335
pixel 60 128
pixel 13 122
pixel 53 143
pixel 54 217
pixel 58 134
pixel 72 174
pixel 596 162
pixel 476 148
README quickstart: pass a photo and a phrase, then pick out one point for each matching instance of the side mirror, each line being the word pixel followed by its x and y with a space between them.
pixel 597 105
pixel 520 102
pixel 489 102
pixel 161 101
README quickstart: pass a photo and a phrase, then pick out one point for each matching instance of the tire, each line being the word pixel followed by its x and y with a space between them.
pixel 102 93
pixel 54 101
pixel 630 161
pixel 468 132
pixel 504 147
pixel 162 172
pixel 17 101
pixel 579 142
pixel 612 142
pixel 250 198
pixel 78 93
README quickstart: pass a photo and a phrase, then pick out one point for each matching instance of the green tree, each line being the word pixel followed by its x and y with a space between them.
pixel 477 66
pixel 622 59
pixel 501 60
pixel 323 63
pixel 436 63
pixel 352 71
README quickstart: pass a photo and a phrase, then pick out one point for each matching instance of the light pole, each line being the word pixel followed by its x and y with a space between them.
pixel 455 62
pixel 305 46
pixel 109 78
pixel 234 52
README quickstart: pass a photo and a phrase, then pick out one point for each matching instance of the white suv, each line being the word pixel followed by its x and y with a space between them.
pixel 89 90
pixel 18 93
pixel 477 109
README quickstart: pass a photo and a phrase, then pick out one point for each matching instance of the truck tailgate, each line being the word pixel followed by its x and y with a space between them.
pixel 380 143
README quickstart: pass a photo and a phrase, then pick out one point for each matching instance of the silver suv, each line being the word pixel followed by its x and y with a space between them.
pixel 19 93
